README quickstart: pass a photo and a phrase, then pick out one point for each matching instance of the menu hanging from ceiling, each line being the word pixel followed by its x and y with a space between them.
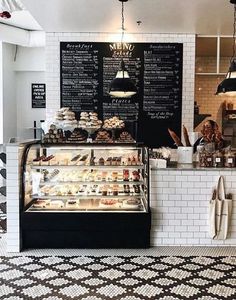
pixel 156 68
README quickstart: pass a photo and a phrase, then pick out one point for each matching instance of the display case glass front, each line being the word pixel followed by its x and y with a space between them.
pixel 86 178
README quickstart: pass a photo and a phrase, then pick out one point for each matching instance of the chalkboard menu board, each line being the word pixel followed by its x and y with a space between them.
pixel 87 69
pixel 38 95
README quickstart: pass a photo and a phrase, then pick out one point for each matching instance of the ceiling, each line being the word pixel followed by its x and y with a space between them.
pixel 208 17
pixel 157 16
pixel 22 19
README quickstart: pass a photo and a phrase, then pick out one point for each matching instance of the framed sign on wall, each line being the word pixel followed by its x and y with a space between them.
pixel 38 92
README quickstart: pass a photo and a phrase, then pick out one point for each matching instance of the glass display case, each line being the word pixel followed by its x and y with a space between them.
pixel 71 183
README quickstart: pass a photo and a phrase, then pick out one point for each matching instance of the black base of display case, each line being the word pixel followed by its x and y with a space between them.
pixel 80 230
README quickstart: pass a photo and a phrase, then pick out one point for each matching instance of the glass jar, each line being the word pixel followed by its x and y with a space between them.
pixel 205 159
pixel 218 159
pixel 229 159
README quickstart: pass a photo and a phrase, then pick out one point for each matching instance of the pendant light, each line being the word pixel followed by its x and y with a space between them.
pixel 228 86
pixel 122 86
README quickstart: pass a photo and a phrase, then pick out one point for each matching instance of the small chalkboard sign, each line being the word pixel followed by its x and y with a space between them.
pixel 38 95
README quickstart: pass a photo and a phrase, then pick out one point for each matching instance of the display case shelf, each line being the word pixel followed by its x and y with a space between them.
pixel 92 182
pixel 66 197
pixel 69 167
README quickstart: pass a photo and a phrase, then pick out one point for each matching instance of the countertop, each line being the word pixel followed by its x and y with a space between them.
pixel 193 166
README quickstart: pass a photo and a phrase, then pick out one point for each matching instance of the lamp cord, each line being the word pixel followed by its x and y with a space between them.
pixel 122 33
pixel 234 34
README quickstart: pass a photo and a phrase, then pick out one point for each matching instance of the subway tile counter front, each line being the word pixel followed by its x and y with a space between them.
pixel 180 199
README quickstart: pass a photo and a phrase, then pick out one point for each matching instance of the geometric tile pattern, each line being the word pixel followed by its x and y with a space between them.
pixel 117 278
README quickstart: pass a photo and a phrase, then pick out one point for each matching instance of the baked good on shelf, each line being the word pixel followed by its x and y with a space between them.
pixel 74 159
pixel 101 161
pixel 136 189
pixel 136 175
pixel 103 136
pixel 54 135
pixel 56 204
pixel 104 175
pixel 126 175
pixel 41 203
pixel 108 162
pixel 132 203
pixel 126 189
pixel 89 120
pixel 37 161
pixel 72 203
pixel 46 160
pixel 108 203
pixel 113 123
pixel 82 161
pixel 115 189
pixel 78 135
pixel 104 190
pixel 125 137
pixel 114 176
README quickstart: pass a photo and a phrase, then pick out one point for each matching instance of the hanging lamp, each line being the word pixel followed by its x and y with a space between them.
pixel 122 86
pixel 228 86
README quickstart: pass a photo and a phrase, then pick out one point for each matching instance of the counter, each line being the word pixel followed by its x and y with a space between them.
pixel 179 198
pixel 179 201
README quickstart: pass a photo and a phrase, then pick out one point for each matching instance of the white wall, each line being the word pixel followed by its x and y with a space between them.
pixel 26 115
pixel 1 96
pixel 30 59
pixel 53 64
pixel 9 93
pixel 21 67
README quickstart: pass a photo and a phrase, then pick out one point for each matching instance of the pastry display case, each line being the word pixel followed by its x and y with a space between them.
pixel 85 195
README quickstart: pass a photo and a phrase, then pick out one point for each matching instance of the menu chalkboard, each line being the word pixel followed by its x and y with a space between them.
pixel 87 69
pixel 38 91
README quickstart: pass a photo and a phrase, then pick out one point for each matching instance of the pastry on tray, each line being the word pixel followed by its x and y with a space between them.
pixel 41 203
pixel 37 160
pixel 78 135
pixel 72 203
pixel 108 203
pixel 132 203
pixel 89 120
pixel 56 204
pixel 103 136
pixel 46 160
pixel 125 137
pixel 113 123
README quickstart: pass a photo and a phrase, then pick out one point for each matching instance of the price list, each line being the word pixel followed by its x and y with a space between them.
pixel 162 84
pixel 79 76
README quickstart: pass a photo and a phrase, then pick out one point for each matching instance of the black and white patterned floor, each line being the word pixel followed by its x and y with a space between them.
pixel 117 277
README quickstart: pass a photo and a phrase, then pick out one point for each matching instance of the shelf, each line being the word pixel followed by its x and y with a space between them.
pixel 69 167
pixel 229 111
pixel 211 74
pixel 66 197
pixel 93 206
pixel 92 182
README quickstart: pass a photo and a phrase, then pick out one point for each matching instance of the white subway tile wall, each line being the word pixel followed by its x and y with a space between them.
pixel 180 214
pixel 53 40
pixel 14 154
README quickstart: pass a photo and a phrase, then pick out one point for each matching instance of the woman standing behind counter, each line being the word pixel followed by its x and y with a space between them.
pixel 210 135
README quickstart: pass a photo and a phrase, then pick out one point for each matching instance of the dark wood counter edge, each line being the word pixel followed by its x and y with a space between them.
pixel 190 167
